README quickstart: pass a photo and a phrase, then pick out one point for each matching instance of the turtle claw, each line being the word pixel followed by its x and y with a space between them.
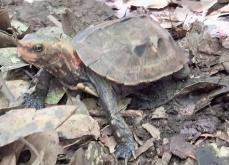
pixel 31 101
pixel 124 151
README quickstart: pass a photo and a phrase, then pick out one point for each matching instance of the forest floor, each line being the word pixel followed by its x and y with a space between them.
pixel 173 122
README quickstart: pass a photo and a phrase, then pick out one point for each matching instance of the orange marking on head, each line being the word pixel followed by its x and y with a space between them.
pixel 69 54
pixel 77 59
pixel 24 53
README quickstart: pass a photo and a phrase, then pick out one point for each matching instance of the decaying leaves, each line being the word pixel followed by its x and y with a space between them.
pixel 208 47
pixel 86 126
pixel 5 19
pixel 95 153
pixel 47 146
pixel 154 132
pixel 24 122
pixel 181 148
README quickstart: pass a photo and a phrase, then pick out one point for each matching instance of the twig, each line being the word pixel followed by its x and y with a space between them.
pixel 127 113
pixel 67 118
pixel 55 21
pixel 69 145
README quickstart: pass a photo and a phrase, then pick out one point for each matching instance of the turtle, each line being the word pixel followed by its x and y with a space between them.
pixel 115 57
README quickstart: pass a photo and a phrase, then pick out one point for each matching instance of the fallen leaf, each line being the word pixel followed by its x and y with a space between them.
pixel 109 142
pixel 9 160
pixel 154 132
pixel 137 139
pixel 207 154
pixel 5 19
pixel 55 94
pixel 108 139
pixel 165 158
pixel 46 143
pixel 224 152
pixel 95 153
pixel 9 59
pixel 223 136
pixel 19 26
pixel 83 109
pixel 31 1
pixel 13 92
pixel 193 129
pixel 79 125
pixel 121 7
pixel 181 148
pixel 4 102
pixel 17 87
pixel 159 113
pixel 149 3
pixel 7 40
pixel 23 122
pixel 148 144
pixel 10 152
pixel 54 21
pixel 198 6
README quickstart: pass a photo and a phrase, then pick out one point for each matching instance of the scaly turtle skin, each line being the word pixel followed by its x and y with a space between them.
pixel 112 56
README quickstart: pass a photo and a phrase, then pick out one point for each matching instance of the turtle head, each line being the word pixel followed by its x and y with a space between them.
pixel 57 58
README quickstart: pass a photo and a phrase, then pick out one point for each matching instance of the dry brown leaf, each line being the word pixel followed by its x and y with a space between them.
pixel 5 19
pixel 47 144
pixel 198 6
pixel 9 153
pixel 159 113
pixel 149 143
pixel 181 148
pixel 6 40
pixel 121 7
pixel 9 159
pixel 165 159
pixel 218 28
pixel 154 132
pixel 4 102
pixel 95 153
pixel 79 125
pixel 107 139
pixel 109 142
pixel 12 92
pixel 54 20
pixel 83 109
pixel 23 122
pixel 208 154
pixel 166 18
pixel 17 87
pixel 149 3
pixel 223 136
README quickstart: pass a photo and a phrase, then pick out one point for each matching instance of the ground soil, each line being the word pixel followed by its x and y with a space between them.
pixel 90 12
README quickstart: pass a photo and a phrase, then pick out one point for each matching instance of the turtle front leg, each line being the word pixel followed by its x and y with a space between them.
pixel 37 98
pixel 108 98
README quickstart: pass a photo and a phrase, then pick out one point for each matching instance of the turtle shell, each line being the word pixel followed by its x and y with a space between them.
pixel 129 51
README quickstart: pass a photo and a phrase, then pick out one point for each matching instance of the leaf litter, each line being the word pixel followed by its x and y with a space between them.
pixel 190 114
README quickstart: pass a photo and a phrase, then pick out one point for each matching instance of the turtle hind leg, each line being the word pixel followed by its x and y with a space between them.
pixel 183 73
pixel 108 98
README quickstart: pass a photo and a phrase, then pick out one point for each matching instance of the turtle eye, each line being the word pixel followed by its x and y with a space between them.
pixel 38 48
